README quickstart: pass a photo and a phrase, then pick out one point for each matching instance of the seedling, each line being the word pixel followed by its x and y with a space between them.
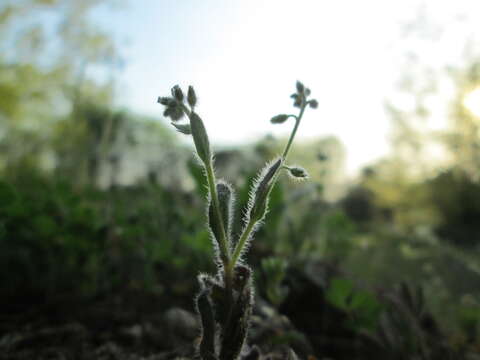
pixel 224 303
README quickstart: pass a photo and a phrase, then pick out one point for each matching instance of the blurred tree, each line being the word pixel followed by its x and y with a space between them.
pixel 462 138
pixel 434 133
pixel 432 127
pixel 48 48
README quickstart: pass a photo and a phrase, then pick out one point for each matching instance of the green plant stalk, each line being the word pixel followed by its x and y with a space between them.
pixel 241 243
pixel 294 131
pixel 251 224
pixel 224 251
pixel 223 242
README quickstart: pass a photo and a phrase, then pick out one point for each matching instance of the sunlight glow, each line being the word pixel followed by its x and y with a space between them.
pixel 472 101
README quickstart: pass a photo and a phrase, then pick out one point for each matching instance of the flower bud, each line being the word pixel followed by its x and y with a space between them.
pixel 300 87
pixel 176 112
pixel 278 119
pixel 166 101
pixel 298 172
pixel 191 97
pixel 177 93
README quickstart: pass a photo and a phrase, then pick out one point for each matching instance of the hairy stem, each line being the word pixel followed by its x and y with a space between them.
pixel 222 242
pixel 251 224
pixel 241 243
pixel 212 185
pixel 294 131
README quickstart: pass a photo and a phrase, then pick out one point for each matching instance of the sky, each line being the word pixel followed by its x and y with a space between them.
pixel 244 57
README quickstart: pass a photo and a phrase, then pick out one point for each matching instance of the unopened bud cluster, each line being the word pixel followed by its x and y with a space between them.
pixel 175 108
pixel 300 98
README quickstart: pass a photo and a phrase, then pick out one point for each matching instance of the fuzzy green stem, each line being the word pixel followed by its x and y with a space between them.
pixel 212 185
pixel 294 131
pixel 251 224
pixel 241 243
pixel 222 242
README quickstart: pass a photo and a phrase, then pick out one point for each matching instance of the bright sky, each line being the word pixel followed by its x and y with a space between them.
pixel 243 58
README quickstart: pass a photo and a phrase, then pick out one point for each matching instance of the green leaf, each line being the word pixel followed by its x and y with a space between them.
pixel 235 332
pixel 226 198
pixel 198 176
pixel 339 292
pixel 259 200
pixel 183 128
pixel 200 138
pixel 207 341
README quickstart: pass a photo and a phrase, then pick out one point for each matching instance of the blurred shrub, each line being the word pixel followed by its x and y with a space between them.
pixel 362 307
pixel 456 199
pixel 407 329
pixel 50 240
pixel 274 271
pixel 358 204
pixel 56 239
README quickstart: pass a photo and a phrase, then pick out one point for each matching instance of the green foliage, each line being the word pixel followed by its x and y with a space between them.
pixel 258 203
pixel 274 271
pixel 56 238
pixel 456 199
pixel 407 329
pixel 468 313
pixel 361 306
pixel 49 238
pixel 226 201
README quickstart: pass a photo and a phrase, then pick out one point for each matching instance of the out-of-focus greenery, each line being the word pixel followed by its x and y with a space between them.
pixel 56 239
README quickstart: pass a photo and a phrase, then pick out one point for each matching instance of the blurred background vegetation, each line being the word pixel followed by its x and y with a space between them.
pixel 97 200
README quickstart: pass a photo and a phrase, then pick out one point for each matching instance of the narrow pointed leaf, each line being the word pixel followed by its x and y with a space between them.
pixel 259 201
pixel 206 347
pixel 226 198
pixel 183 128
pixel 235 333
pixel 200 138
